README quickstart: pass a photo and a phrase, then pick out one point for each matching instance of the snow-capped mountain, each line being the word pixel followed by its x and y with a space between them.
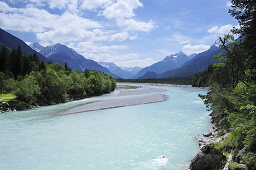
pixel 197 64
pixel 37 47
pixel 171 62
pixel 61 54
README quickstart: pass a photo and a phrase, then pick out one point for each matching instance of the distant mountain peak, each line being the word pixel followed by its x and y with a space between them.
pixel 36 46
pixel 59 45
pixel 119 71
pixel 175 56
pixel 170 62
pixel 180 53
pixel 213 47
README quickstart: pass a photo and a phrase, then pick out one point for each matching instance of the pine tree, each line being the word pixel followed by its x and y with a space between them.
pixel 42 66
pixel 17 70
pixel 4 55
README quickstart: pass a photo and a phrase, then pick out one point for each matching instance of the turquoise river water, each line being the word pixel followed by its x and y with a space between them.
pixel 144 137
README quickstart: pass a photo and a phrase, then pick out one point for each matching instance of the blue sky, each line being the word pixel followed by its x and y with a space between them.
pixel 126 32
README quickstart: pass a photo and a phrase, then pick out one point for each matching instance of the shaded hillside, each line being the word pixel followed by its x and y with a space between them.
pixel 10 41
pixel 61 54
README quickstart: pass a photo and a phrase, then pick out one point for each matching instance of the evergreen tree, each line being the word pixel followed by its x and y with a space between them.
pixel 67 68
pixel 42 66
pixel 87 72
pixel 17 69
pixel 4 55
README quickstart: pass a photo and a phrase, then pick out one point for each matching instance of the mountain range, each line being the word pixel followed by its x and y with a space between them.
pixel 197 64
pixel 122 72
pixel 173 66
pixel 171 62
pixel 61 54
pixel 134 70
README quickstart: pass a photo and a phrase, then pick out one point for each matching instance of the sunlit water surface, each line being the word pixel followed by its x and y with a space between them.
pixel 134 137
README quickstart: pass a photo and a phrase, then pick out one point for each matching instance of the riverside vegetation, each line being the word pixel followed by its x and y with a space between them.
pixel 34 82
pixel 232 90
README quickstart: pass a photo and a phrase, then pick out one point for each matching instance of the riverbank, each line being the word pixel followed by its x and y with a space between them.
pixel 124 97
pixel 212 155
pixel 208 157
pixel 123 90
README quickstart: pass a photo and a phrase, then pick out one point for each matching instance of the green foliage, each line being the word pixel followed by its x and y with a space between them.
pixel 53 90
pixel 221 132
pixel 35 82
pixel 202 79
pixel 9 85
pixel 21 105
pixel 232 165
pixel 250 160
pixel 250 139
pixel 76 85
pixel 232 85
pixel 28 90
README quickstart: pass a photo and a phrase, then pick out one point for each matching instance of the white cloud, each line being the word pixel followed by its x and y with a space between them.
pixel 121 36
pixel 124 60
pixel 27 20
pixel 134 25
pixel 225 29
pixel 110 53
pixel 121 9
pixel 90 47
pixel 55 4
pixel 181 39
pixel 122 12
pixel 66 23
pixel 190 49
pixel 67 26
pixel 94 4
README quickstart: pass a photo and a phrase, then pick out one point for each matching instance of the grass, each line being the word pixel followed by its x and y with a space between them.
pixel 7 97
pixel 118 87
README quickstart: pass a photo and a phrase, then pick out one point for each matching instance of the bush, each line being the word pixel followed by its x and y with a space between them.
pixel 28 90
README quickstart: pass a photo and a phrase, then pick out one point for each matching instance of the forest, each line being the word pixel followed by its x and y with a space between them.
pixel 34 83
pixel 232 87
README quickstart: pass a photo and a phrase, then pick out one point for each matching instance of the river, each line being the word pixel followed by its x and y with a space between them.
pixel 148 136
